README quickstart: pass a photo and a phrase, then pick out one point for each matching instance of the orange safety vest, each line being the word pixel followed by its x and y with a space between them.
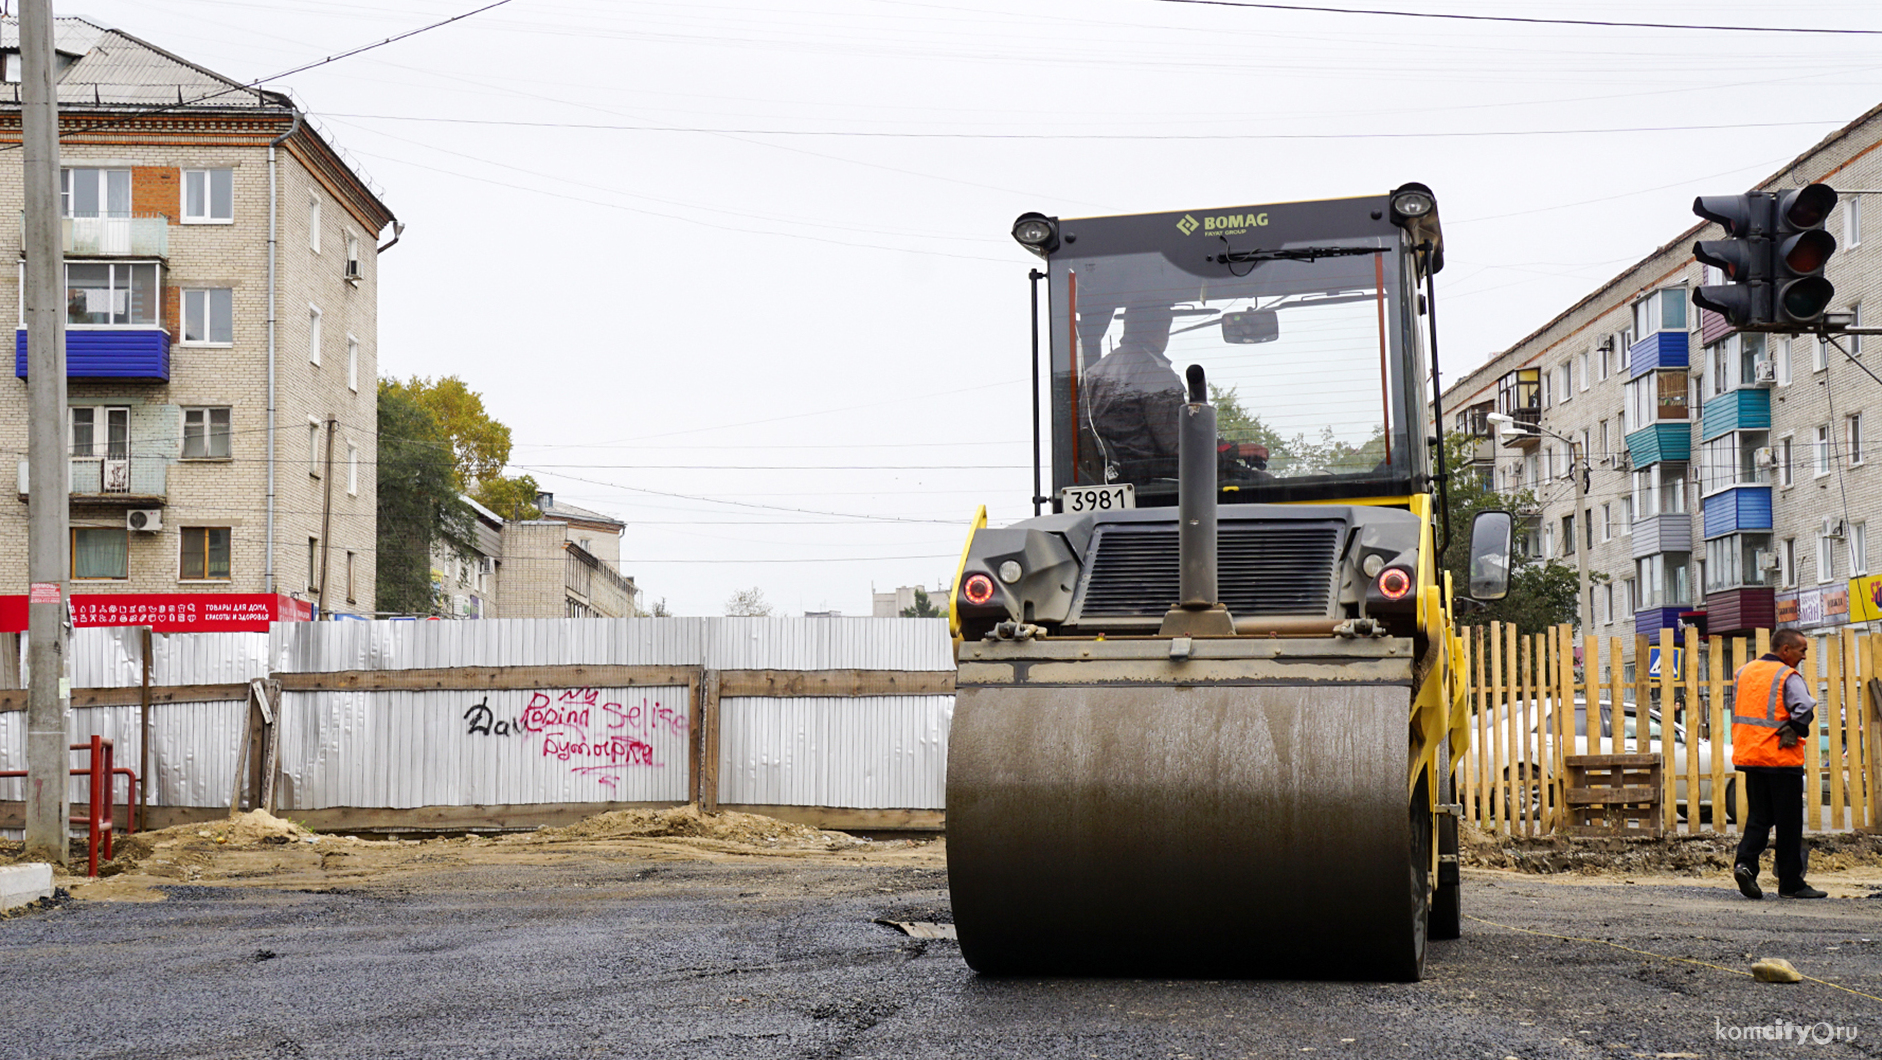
pixel 1758 714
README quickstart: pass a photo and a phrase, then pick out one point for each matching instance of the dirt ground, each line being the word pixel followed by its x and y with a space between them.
pixel 260 850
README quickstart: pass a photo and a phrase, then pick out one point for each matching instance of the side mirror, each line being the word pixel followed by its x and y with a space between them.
pixel 1490 535
pixel 1251 326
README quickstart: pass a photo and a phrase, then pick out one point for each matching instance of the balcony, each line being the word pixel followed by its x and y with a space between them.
pixel 1659 349
pixel 144 236
pixel 1738 509
pixel 1661 441
pixel 130 480
pixel 1662 533
pixel 1740 610
pixel 1650 622
pixel 1747 409
pixel 139 353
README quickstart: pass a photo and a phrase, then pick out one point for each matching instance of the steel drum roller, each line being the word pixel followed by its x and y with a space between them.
pixel 1241 829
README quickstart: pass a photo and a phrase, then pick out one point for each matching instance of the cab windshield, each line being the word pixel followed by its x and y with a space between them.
pixel 1302 354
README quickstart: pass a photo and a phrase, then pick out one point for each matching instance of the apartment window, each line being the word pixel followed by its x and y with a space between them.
pixel 1663 310
pixel 1784 361
pixel 209 316
pixel 1604 359
pixel 106 294
pixel 1548 542
pixel 352 256
pixel 1581 368
pixel 1852 221
pixel 1628 517
pixel 1823 449
pixel 1631 593
pixel 1587 523
pixel 352 470
pixel 1855 439
pixel 1565 388
pixel 313 565
pixel 205 553
pixel 1607 603
pixel 94 193
pixel 1784 457
pixel 1656 397
pixel 1735 560
pixel 1664 580
pixel 1532 470
pixel 1787 561
pixel 205 433
pixel 1607 443
pixel 352 364
pixel 101 430
pixel 208 196
pixel 313 225
pixel 1627 347
pixel 1548 380
pixel 313 447
pixel 1568 535
pixel 1855 321
pixel 101 552
pixel 1607 522
pixel 313 334
pixel 350 597
pixel 1858 549
pixel 1819 354
pixel 1826 558
pixel 10 71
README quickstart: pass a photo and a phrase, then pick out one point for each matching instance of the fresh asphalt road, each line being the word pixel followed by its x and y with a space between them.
pixel 775 959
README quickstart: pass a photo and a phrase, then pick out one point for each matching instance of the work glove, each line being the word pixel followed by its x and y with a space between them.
pixel 1787 738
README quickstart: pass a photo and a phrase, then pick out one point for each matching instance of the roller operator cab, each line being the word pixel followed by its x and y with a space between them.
pixel 1143 780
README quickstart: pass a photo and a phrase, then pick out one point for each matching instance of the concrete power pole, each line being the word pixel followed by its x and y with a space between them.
pixel 47 511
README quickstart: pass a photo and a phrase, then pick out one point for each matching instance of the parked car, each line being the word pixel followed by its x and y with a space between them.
pixel 1629 728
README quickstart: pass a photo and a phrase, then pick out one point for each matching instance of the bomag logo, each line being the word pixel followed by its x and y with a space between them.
pixel 1222 224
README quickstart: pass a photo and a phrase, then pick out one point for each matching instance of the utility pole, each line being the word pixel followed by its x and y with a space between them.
pixel 47 511
pixel 1584 521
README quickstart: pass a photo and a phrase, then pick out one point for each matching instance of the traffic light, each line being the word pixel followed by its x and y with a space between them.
pixel 1801 249
pixel 1744 258
pixel 1773 258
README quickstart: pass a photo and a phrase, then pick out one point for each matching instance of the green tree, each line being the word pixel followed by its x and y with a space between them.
pixel 418 502
pixel 924 608
pixel 1542 593
pixel 480 446
pixel 511 498
pixel 748 603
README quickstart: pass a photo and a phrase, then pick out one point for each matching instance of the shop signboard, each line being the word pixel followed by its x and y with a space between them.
pixel 171 612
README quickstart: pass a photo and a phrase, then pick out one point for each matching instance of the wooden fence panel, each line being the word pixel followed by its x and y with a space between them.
pixel 1499 732
pixel 1715 689
pixel 1669 649
pixel 1689 673
pixel 1482 745
pixel 1616 679
pixel 1848 778
pixel 1813 758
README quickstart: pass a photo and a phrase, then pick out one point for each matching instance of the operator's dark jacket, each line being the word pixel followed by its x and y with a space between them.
pixel 1134 397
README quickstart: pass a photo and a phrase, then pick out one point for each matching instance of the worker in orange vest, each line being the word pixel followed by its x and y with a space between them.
pixel 1772 713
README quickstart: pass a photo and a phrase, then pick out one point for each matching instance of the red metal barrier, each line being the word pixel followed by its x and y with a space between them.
pixel 101 784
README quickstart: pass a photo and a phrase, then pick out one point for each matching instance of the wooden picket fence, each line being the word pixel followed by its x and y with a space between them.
pixel 1512 780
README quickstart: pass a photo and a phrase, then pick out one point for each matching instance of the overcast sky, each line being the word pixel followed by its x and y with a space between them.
pixel 738 273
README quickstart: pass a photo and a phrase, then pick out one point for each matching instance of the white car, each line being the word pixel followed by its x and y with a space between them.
pixel 1629 727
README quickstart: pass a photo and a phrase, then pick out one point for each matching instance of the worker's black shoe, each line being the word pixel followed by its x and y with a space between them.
pixel 1804 891
pixel 1747 878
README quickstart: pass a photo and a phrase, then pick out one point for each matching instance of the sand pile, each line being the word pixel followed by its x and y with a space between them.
pixel 688 822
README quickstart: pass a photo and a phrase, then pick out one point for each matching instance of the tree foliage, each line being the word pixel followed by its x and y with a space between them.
pixel 511 498
pixel 924 608
pixel 480 446
pixel 747 603
pixel 1542 593
pixel 1298 455
pixel 418 502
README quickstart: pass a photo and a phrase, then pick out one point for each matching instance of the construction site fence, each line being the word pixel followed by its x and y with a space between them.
pixel 1528 705
pixel 837 722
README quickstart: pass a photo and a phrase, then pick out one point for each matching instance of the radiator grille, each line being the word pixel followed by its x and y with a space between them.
pixel 1263 569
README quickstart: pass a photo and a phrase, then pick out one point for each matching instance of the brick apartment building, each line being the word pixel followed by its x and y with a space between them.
pixel 1731 475
pixel 223 405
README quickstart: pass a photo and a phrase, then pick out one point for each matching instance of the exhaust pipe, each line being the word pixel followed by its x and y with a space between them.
pixel 1198 611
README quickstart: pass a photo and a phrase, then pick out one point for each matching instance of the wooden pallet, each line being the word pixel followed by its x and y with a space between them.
pixel 1613 795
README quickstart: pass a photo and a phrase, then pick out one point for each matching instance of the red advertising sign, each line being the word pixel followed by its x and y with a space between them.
pixel 171 612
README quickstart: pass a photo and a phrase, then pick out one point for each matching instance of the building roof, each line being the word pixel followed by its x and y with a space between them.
pixel 110 68
pixel 569 513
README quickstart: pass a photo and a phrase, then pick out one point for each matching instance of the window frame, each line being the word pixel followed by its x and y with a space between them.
pixel 209 197
pixel 1852 434
pixel 352 363
pixel 1858 549
pixel 99 448
pixel 1826 559
pixel 1786 477
pixel 68 185
pixel 313 446
pixel 313 224
pixel 1852 221
pixel 207 299
pixel 207 429
pixel 352 468
pixel 314 316
pixel 183 550
pixel 156 321
pixel 72 540
pixel 1823 459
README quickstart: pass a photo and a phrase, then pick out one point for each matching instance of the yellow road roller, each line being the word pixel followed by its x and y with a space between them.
pixel 1209 703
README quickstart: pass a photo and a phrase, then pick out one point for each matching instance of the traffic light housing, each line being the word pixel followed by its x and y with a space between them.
pixel 1800 250
pixel 1773 258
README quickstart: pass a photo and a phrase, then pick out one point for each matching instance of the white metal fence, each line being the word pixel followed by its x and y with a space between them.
pixel 500 720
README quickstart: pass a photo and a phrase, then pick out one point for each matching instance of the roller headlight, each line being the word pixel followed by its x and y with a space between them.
pixel 977 589
pixel 1395 583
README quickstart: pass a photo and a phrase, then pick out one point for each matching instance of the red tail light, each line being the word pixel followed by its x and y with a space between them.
pixel 1394 583
pixel 977 589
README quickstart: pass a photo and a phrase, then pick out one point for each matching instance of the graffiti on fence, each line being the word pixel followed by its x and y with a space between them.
pixel 582 727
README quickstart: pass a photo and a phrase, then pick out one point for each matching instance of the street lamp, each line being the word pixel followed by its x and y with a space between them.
pixel 1578 469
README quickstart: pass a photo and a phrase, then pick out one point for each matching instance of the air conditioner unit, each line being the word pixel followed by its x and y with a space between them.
pixel 484 566
pixel 1832 527
pixel 148 520
pixel 1765 456
pixel 1529 510
pixel 1767 559
pixel 1764 373
pixel 352 268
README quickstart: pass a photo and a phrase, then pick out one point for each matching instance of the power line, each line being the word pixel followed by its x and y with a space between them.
pixel 900 135
pixel 1603 23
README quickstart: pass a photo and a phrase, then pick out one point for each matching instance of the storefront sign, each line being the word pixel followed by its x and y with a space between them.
pixel 1786 609
pixel 1865 599
pixel 171 612
pixel 1810 608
